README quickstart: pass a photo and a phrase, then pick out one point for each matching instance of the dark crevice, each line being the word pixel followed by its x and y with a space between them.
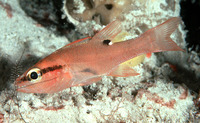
pixel 48 14
pixel 190 14
pixel 109 6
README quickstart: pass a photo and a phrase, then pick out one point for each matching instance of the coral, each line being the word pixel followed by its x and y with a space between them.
pixel 103 11
pixel 136 16
pixel 8 9
pixel 156 95
pixel 1 118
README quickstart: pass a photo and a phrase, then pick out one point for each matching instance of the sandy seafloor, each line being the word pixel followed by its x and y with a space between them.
pixel 164 91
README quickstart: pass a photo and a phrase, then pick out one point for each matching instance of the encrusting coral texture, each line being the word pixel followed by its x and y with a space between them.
pixel 103 11
pixel 158 94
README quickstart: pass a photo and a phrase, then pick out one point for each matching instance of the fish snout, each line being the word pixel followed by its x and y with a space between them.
pixel 20 85
pixel 20 82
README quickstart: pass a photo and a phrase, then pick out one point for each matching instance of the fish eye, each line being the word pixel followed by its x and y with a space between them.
pixel 34 75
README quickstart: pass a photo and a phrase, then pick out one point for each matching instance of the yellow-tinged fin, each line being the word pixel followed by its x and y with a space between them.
pixel 132 62
pixel 124 69
pixel 120 37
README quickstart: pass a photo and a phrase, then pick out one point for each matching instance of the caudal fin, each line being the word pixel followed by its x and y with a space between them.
pixel 161 34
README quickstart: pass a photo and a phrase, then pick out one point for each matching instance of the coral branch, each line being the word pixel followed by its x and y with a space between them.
pixel 155 98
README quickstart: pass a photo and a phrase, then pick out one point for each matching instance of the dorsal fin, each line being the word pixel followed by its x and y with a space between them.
pixel 120 37
pixel 109 32
pixel 78 41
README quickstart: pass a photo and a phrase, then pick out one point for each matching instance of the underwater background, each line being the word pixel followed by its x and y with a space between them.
pixel 167 89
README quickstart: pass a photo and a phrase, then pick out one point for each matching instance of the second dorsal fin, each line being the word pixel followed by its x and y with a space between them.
pixel 109 32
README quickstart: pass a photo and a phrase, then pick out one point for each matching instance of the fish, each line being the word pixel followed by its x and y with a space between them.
pixel 85 61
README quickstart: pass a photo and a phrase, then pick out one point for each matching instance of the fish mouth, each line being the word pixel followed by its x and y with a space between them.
pixel 25 86
pixel 21 86
pixel 24 90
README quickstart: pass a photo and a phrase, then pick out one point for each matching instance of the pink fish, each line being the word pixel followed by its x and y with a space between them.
pixel 87 60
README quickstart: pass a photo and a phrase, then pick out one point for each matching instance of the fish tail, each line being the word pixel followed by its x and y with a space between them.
pixel 161 36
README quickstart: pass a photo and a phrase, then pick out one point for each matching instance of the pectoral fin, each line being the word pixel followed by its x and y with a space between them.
pixel 122 71
pixel 88 81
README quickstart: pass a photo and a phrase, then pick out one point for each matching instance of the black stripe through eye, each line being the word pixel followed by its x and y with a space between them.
pixel 45 70
pixel 24 79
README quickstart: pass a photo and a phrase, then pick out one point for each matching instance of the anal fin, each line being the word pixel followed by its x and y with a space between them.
pixel 133 62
